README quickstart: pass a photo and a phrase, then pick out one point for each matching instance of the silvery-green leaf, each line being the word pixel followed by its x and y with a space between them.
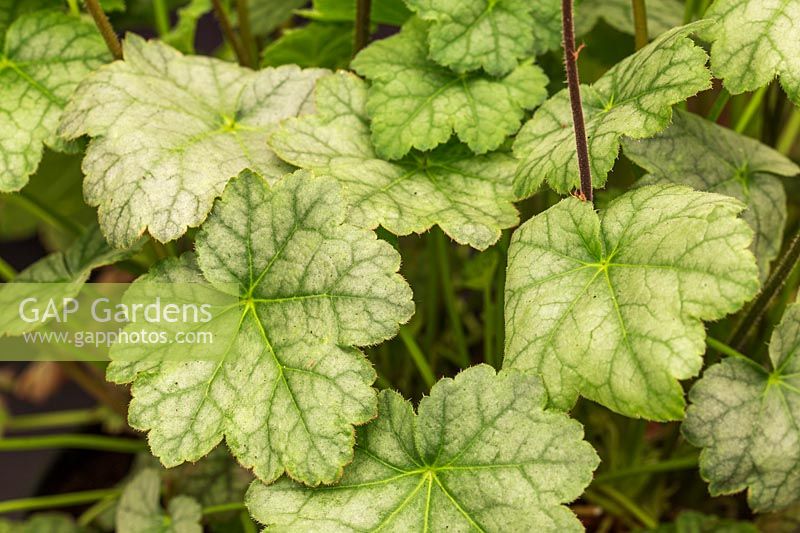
pixel 139 509
pixel 469 196
pixel 481 455
pixel 415 103
pixel 754 42
pixel 169 131
pixel 10 10
pixel 708 157
pixel 46 55
pixel 610 306
pixel 288 386
pixel 747 420
pixel 633 99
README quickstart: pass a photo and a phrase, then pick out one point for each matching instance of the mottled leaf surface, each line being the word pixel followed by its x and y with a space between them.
pixel 46 55
pixel 139 509
pixel 289 386
pixel 747 420
pixel 415 103
pixel 754 42
pixel 469 196
pixel 481 455
pixel 708 157
pixel 611 306
pixel 469 34
pixel 633 99
pixel 169 131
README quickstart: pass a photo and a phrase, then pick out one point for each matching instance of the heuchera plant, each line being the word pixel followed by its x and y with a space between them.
pixel 471 292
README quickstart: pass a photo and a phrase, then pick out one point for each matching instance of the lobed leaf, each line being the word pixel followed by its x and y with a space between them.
pixel 469 196
pixel 747 420
pixel 46 55
pixel 169 131
pixel 415 103
pixel 11 10
pixel 482 454
pixel 633 99
pixel 289 386
pixel 708 157
pixel 610 306
pixel 466 35
pixel 751 44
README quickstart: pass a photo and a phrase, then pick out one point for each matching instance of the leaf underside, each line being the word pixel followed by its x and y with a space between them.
pixel 610 307
pixel 482 454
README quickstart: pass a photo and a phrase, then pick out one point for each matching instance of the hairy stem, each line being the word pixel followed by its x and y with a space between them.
pixel 102 23
pixel 788 136
pixel 719 105
pixel 574 83
pixel 750 111
pixel 73 441
pixel 161 15
pixel 641 36
pixel 7 272
pixel 227 31
pixel 771 289
pixel 419 358
pixel 670 465
pixel 450 300
pixel 45 214
pixel 361 39
pixel 76 417
pixel 248 41
pixel 95 387
pixel 59 500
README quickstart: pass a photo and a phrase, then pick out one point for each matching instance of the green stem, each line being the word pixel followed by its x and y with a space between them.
pixel 771 289
pixel 499 302
pixel 227 31
pixel 74 8
pixel 719 105
pixel 671 465
pixel 7 272
pixel 90 514
pixel 161 14
pixel 362 25
pixel 75 417
pixel 248 41
pixel 688 11
pixel 789 134
pixel 46 215
pixel 641 36
pixel 58 500
pixel 630 506
pixel 73 441
pixel 449 294
pixel 750 111
pixel 723 348
pixel 418 357
pixel 106 30
pixel 224 508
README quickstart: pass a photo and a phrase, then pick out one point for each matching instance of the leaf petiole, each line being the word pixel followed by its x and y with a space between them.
pixel 419 358
pixel 750 111
pixel 640 23
pixel 789 134
pixel 58 500
pixel 362 25
pixel 106 30
pixel 7 272
pixel 73 441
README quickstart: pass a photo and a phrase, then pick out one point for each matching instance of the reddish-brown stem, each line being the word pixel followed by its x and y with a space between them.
pixel 574 84
pixel 102 23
